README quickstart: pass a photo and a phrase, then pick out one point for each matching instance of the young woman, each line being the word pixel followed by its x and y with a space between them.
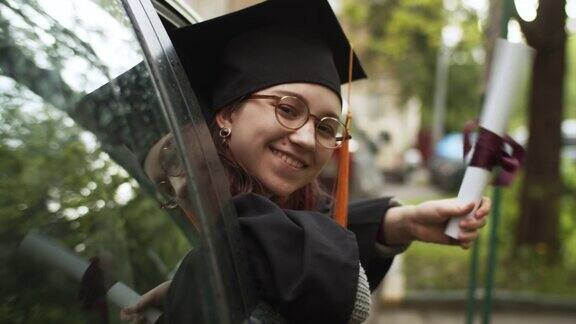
pixel 268 79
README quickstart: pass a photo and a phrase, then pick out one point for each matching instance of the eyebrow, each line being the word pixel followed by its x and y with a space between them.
pixel 299 96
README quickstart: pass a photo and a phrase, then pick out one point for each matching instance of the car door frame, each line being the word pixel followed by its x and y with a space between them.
pixel 176 94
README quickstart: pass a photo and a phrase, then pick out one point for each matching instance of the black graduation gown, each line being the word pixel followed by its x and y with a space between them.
pixel 305 265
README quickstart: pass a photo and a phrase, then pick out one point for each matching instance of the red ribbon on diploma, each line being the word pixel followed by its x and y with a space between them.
pixel 489 152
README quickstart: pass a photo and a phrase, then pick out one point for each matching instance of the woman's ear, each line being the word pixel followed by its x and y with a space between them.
pixel 224 118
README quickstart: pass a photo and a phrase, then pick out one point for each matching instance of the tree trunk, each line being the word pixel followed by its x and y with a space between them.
pixel 541 192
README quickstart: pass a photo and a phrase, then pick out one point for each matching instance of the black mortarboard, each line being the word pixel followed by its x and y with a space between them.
pixel 126 118
pixel 274 42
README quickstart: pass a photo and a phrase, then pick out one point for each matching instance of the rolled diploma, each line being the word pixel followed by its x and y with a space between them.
pixel 510 68
pixel 52 254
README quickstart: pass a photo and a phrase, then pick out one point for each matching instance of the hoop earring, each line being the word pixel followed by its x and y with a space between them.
pixel 225 134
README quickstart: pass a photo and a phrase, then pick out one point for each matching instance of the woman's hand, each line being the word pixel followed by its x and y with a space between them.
pixel 152 298
pixel 426 222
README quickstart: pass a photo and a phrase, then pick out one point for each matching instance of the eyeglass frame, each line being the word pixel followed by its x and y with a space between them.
pixel 278 99
pixel 160 185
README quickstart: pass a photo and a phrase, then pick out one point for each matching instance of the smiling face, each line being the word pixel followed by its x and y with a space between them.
pixel 283 160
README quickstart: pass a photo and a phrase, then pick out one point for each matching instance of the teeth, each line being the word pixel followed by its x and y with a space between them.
pixel 292 162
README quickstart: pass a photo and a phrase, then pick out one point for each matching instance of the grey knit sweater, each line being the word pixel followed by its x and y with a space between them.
pixel 363 303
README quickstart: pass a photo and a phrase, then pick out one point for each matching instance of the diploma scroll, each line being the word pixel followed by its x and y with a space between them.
pixel 511 65
pixel 53 255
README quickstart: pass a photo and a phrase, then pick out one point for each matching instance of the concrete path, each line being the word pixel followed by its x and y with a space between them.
pixel 437 316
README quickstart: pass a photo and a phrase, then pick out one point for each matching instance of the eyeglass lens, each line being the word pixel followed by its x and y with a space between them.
pixel 165 190
pixel 293 113
pixel 170 160
pixel 172 166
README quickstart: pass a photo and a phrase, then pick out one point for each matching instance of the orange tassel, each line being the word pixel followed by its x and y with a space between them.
pixel 341 195
pixel 343 179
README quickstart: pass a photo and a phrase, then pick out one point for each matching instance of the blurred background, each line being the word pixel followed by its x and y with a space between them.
pixel 428 62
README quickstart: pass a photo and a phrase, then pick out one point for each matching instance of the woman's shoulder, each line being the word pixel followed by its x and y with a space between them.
pixel 250 205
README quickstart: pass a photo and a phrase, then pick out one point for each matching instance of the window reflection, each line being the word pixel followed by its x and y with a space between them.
pixel 78 109
pixel 82 39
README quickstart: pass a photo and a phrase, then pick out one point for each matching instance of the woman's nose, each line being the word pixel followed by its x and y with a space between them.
pixel 305 136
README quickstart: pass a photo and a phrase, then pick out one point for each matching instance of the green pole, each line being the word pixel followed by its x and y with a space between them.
pixel 473 278
pixel 473 274
pixel 496 203
pixel 491 265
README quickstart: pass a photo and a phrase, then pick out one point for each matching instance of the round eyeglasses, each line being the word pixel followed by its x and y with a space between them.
pixel 292 113
pixel 171 164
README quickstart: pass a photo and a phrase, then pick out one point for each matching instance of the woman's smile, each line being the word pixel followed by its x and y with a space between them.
pixel 289 159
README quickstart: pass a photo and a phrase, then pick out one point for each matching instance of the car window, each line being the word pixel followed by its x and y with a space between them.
pixel 79 215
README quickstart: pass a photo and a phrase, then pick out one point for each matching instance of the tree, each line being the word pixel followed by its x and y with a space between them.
pixel 542 189
pixel 400 40
pixel 51 180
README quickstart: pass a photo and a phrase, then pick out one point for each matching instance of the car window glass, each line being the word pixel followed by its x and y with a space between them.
pixel 78 114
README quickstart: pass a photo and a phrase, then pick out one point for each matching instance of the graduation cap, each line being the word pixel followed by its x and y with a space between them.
pixel 274 42
pixel 126 118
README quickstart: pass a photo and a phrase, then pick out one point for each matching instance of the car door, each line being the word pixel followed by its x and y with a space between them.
pixel 87 88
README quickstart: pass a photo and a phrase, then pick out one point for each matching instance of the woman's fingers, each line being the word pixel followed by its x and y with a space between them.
pixel 142 319
pixel 128 314
pixel 154 297
pixel 459 209
pixel 484 208
pixel 472 224
pixel 465 237
pixel 447 209
pixel 133 314
pixel 455 209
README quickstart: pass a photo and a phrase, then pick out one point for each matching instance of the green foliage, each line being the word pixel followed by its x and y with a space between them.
pixel 404 40
pixel 55 181
pixel 527 269
pixel 567 216
pixel 437 267
pixel 356 14
pixel 524 270
pixel 400 40
pixel 464 101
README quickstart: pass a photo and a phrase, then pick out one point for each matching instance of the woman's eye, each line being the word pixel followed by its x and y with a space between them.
pixel 288 111
pixel 165 188
pixel 326 130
